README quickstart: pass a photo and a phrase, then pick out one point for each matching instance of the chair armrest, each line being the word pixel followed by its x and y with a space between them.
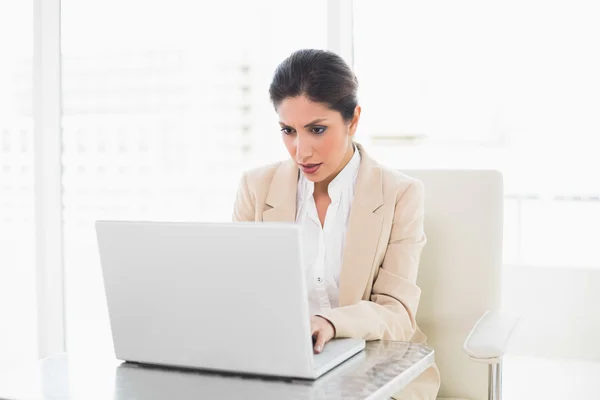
pixel 489 337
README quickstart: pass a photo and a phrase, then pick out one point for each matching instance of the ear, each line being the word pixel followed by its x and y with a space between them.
pixel 354 123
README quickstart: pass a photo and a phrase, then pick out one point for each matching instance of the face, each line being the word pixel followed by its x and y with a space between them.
pixel 317 138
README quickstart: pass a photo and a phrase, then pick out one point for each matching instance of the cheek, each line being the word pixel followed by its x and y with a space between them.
pixel 334 145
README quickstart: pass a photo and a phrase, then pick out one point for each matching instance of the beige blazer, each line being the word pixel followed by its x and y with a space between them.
pixel 378 296
pixel 378 292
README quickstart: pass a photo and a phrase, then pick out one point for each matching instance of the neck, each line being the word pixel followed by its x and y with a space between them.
pixel 321 187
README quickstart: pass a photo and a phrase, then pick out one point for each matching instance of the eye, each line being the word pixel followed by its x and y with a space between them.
pixel 318 130
pixel 287 130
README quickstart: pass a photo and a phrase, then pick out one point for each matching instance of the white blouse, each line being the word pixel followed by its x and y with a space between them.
pixel 323 247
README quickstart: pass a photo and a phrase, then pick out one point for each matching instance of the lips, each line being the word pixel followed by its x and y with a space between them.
pixel 310 169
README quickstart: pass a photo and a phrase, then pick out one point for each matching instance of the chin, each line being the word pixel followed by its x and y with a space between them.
pixel 316 178
pixel 312 178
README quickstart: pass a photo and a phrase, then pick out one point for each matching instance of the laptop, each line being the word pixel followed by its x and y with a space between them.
pixel 221 297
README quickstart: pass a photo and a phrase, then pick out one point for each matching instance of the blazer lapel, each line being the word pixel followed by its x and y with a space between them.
pixel 364 226
pixel 280 204
pixel 364 231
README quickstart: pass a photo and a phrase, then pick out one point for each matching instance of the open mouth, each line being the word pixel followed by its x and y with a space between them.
pixel 310 168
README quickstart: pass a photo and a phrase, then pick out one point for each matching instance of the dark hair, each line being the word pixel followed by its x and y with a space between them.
pixel 322 76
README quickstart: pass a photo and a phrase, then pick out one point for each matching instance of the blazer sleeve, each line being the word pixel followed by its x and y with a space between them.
pixel 390 313
pixel 244 206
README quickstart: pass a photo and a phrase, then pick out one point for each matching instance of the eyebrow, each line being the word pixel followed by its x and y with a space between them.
pixel 316 121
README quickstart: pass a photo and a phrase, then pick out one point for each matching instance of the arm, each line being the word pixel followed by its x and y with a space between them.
pixel 243 209
pixel 390 313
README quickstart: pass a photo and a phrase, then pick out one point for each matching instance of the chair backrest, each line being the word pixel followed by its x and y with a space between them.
pixel 460 269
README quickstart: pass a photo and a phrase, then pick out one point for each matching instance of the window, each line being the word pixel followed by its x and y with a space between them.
pixel 511 86
pixel 17 242
pixel 162 113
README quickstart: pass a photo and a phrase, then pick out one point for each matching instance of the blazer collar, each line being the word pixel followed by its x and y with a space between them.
pixel 284 186
pixel 363 233
pixel 369 185
pixel 281 197
pixel 364 225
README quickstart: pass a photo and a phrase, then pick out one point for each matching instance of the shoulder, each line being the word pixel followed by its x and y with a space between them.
pixel 260 178
pixel 400 186
pixel 395 185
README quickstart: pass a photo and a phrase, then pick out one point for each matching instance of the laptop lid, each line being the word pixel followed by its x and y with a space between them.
pixel 203 295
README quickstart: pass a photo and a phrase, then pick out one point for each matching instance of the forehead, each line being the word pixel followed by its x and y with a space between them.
pixel 302 110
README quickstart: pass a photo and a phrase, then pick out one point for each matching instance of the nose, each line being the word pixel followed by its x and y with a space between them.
pixel 303 149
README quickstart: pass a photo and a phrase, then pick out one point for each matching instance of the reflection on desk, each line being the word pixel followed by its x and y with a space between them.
pixel 381 370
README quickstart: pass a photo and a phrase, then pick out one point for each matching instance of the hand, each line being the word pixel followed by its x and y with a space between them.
pixel 322 331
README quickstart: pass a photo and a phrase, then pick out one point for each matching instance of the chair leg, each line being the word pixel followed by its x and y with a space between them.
pixel 495 381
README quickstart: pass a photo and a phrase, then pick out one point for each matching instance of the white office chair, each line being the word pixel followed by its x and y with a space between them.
pixel 460 277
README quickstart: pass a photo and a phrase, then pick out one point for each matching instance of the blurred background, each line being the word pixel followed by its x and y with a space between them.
pixel 151 109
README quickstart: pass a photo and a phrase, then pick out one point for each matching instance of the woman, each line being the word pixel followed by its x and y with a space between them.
pixel 362 223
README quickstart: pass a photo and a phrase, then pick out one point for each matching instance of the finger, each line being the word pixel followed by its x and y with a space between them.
pixel 320 342
pixel 314 327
